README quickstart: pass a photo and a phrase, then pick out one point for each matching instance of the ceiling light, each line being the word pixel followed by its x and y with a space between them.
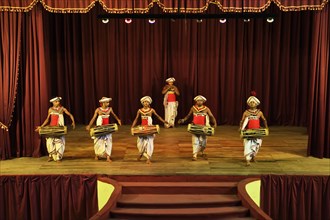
pixel 270 19
pixel 128 20
pixel 222 20
pixel 247 20
pixel 152 21
pixel 199 20
pixel 105 20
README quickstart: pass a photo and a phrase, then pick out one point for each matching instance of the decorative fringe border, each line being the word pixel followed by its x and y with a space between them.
pixel 165 9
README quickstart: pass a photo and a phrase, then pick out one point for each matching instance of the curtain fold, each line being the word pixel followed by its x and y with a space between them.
pixel 319 119
pixel 295 197
pixel 10 48
pixel 48 197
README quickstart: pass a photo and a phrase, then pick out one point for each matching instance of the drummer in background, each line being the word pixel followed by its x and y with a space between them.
pixel 201 116
pixel 145 144
pixel 56 145
pixel 251 120
pixel 103 144
pixel 170 92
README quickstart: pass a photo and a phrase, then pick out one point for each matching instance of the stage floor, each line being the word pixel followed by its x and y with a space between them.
pixel 282 152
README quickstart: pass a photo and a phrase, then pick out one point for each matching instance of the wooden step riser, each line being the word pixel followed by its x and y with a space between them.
pixel 178 190
pixel 186 205
pixel 181 217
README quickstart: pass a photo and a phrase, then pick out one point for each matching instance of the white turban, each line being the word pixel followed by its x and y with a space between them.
pixel 146 98
pixel 55 99
pixel 200 97
pixel 105 99
pixel 253 98
pixel 171 79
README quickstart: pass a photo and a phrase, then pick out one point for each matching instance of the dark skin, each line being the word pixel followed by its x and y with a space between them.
pixel 56 104
pixel 170 87
pixel 250 111
pixel 98 112
pixel 200 104
pixel 147 108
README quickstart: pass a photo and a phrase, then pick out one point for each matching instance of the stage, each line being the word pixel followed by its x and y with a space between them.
pixel 282 152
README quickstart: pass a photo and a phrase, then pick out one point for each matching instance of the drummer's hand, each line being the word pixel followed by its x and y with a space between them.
pixel 88 127
pixel 119 121
pixel 37 129
pixel 181 121
pixel 73 125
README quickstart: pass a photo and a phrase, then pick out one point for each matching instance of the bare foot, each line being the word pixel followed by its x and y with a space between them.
pixel 139 157
pixel 50 159
pixel 253 160
pixel 247 163
pixel 194 159
pixel 148 161
pixel 109 159
pixel 59 161
pixel 96 158
pixel 204 156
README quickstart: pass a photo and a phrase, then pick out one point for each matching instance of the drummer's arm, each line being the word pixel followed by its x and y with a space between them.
pixel 241 122
pixel 115 116
pixel 264 119
pixel 165 89
pixel 136 118
pixel 45 122
pixel 176 90
pixel 214 121
pixel 160 118
pixel 181 121
pixel 71 116
pixel 92 120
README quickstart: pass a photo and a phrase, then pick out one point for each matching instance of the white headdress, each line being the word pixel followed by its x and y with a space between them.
pixel 200 97
pixel 171 79
pixel 55 99
pixel 105 99
pixel 146 98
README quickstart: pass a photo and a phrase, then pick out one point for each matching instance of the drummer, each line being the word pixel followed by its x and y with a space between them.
pixel 201 116
pixel 56 145
pixel 145 144
pixel 251 120
pixel 103 143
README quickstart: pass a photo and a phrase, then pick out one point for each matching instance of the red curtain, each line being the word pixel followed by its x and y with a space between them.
pixel 319 116
pixel 48 197
pixel 10 48
pixel 295 197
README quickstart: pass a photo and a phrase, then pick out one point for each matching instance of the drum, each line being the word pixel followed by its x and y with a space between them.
pixel 254 133
pixel 145 130
pixel 103 130
pixel 53 131
pixel 200 130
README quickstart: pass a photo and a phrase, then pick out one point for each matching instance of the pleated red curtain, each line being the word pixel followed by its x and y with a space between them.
pixel 48 197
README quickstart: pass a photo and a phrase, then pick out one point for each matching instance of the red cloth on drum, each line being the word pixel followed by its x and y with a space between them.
pixel 144 121
pixel 54 120
pixel 171 97
pixel 254 124
pixel 199 119
pixel 105 121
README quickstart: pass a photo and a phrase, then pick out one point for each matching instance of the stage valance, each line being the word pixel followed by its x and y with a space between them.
pixel 167 6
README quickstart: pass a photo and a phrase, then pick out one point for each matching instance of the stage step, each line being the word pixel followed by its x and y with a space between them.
pixel 179 187
pixel 176 200
pixel 180 213
pixel 179 200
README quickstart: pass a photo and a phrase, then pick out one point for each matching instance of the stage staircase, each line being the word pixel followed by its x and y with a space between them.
pixel 179 200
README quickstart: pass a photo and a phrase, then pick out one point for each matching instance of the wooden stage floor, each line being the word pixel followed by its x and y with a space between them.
pixel 283 152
